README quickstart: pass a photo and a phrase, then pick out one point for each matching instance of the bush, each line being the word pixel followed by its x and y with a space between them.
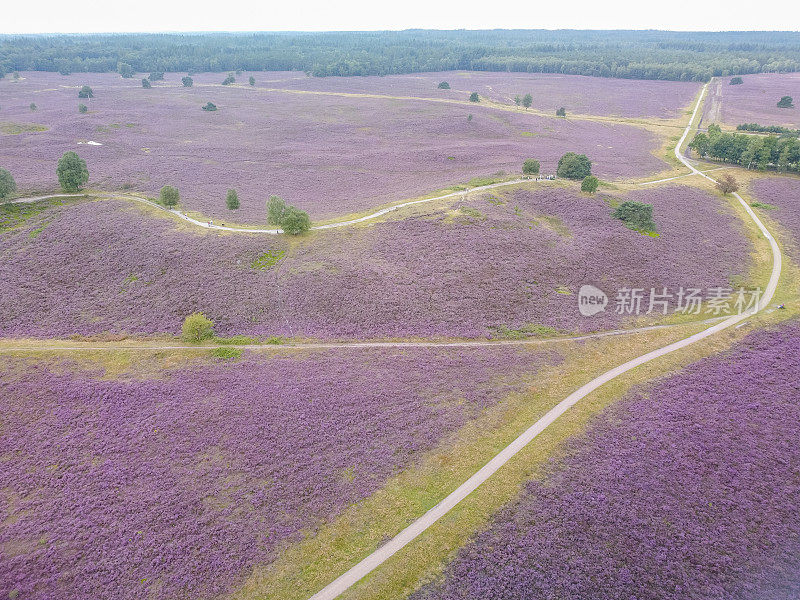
pixel 86 92
pixel 32 106
pixel 473 97
pixel 229 80
pixel 252 80
pixel 561 112
pixel 530 167
pixel 444 85
pixel 232 200
pixel 727 184
pixel 156 76
pixel 7 184
pixel 527 100
pixel 197 327
pixel 125 70
pixel 72 172
pixel 295 221
pixel 736 81
pixel 275 209
pixel 786 102
pixel 169 196
pixel 635 215
pixel 82 108
pixel 589 184
pixel 187 81
pixel 226 353
pixel 574 166
pixel 210 106
pixel 146 84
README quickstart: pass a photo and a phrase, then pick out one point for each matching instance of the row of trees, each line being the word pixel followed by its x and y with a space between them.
pixel 686 56
pixel 755 127
pixel 750 151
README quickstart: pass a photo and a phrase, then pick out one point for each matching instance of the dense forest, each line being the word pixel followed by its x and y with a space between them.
pixel 686 56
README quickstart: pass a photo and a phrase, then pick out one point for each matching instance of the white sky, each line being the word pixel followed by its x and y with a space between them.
pixel 47 16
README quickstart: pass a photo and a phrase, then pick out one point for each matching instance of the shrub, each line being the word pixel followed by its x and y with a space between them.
pixel 156 76
pixel 7 184
pixel 146 84
pixel 275 209
pixel 527 100
pixel 252 80
pixel 86 92
pixel 169 196
pixel 736 81
pixel 82 108
pixel 72 172
pixel 187 81
pixel 229 80
pixel 226 353
pixel 32 106
pixel 786 102
pixel 473 97
pixel 232 200
pixel 561 112
pixel 295 221
pixel 574 166
pixel 727 184
pixel 589 184
pixel 635 215
pixel 210 106
pixel 469 117
pixel 444 85
pixel 530 167
pixel 125 70
pixel 197 327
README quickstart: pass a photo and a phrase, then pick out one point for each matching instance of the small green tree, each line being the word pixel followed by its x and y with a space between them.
pixel 574 166
pixel 232 200
pixel 444 85
pixel 187 81
pixel 295 221
pixel 146 84
pixel 197 327
pixel 252 80
pixel 635 215
pixel 82 108
pixel 7 184
pixel 32 106
pixel 561 112
pixel 156 76
pixel 527 100
pixel 473 97
pixel 125 70
pixel 786 102
pixel 275 209
pixel 589 184
pixel 517 100
pixel 530 167
pixel 210 107
pixel 469 117
pixel 85 92
pixel 700 144
pixel 736 81
pixel 72 172
pixel 169 196
pixel 229 79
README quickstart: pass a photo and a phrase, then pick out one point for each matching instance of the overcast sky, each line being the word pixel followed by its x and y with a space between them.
pixel 351 15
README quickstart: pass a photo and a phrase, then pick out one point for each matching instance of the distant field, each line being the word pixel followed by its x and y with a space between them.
pixel 329 155
pixel 510 259
pixel 755 100
pixel 173 485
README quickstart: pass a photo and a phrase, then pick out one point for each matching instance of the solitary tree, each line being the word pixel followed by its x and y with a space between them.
pixel 252 80
pixel 517 100
pixel 786 102
pixel 72 172
pixel 275 209
pixel 187 81
pixel 561 112
pixel 169 196
pixel 295 221
pixel 232 200
pixel 229 79
pixel 146 84
pixel 125 70
pixel 473 97
pixel 82 108
pixel 210 106
pixel 32 106
pixel 527 100
pixel 86 92
pixel 727 183
pixel 530 167
pixel 736 81
pixel 574 166
pixel 444 85
pixel 197 327
pixel 589 184
pixel 7 184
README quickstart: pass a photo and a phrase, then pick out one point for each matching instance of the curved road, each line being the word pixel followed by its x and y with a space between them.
pixel 374 560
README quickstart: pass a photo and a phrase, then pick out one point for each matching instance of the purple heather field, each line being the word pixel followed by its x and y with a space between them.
pixel 329 155
pixel 690 490
pixel 783 193
pixel 176 486
pixel 755 100
pixel 508 259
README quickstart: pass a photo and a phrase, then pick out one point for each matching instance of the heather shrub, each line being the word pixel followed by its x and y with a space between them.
pixel 197 327
pixel 295 221
pixel 187 81
pixel 232 200
pixel 636 215
pixel 530 167
pixel 82 108
pixel 589 184
pixel 86 92
pixel 146 84
pixel 169 196
pixel 574 166
pixel 72 172
pixel 473 97
pixel 7 184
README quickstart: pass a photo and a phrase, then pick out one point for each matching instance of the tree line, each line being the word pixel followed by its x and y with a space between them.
pixel 685 56
pixel 750 151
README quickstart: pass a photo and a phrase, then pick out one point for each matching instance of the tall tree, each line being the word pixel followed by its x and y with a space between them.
pixel 72 172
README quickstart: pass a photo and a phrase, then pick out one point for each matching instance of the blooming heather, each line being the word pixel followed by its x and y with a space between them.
pixel 328 155
pixel 104 266
pixel 689 491
pixel 755 100
pixel 783 193
pixel 174 487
